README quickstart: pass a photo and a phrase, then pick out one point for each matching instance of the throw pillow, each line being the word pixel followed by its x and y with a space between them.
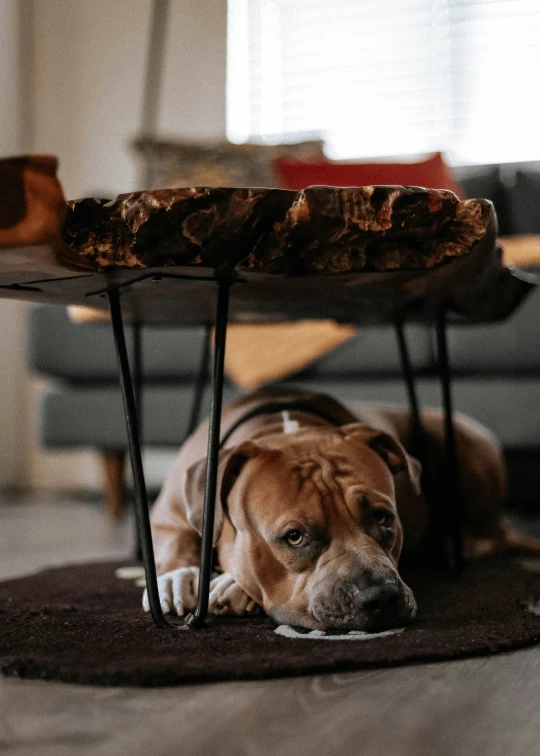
pixel 433 173
pixel 177 164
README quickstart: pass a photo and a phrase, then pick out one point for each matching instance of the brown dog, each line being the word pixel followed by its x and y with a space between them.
pixel 314 508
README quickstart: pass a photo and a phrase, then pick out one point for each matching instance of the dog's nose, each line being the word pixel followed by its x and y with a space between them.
pixel 381 598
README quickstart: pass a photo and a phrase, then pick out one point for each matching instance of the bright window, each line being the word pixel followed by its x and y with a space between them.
pixel 388 77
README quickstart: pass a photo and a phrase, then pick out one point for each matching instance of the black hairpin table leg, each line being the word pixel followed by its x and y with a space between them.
pixel 455 514
pixel 138 376
pixel 408 374
pixel 196 619
pixel 137 391
pixel 141 500
pixel 202 380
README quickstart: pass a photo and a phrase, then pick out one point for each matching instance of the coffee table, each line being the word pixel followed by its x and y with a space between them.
pixel 356 255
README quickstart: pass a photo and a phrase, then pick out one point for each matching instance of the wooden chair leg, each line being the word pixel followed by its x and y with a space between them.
pixel 115 494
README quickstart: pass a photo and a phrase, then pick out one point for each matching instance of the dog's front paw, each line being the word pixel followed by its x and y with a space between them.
pixel 226 597
pixel 177 591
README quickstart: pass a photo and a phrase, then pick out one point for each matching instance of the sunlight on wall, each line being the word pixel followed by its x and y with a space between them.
pixel 393 78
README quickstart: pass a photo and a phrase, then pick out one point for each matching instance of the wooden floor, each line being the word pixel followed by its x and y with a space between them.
pixel 480 706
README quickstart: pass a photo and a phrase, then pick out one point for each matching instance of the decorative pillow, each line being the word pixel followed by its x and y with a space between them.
pixel 433 173
pixel 180 164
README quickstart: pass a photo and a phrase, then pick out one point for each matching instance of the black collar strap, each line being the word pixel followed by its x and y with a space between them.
pixel 271 408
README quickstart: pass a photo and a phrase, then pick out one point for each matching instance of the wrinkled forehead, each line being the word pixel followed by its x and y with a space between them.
pixel 300 473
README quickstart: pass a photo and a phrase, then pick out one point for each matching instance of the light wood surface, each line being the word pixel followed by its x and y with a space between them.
pixel 522 250
pixel 115 493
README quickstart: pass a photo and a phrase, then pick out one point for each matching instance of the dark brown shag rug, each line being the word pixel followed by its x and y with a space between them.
pixel 82 624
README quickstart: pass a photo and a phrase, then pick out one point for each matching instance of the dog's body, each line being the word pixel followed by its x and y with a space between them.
pixel 313 510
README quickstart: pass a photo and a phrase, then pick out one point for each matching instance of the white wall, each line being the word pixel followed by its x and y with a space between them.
pixel 86 99
pixel 88 89
pixel 9 80
pixel 14 393
pixel 90 69
pixel 193 101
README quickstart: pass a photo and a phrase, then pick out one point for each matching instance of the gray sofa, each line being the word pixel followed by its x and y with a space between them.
pixel 496 372
pixel 496 367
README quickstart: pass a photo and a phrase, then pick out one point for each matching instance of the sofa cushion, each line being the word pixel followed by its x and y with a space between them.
pixel 59 348
pixel 509 347
pixel 374 351
pixel 481 181
pixel 509 407
pixel 84 417
pixel 525 203
pixel 93 417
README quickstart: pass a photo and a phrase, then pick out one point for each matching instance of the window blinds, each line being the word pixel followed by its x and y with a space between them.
pixel 388 77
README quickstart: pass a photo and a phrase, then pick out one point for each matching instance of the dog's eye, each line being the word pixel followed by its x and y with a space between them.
pixel 383 518
pixel 295 538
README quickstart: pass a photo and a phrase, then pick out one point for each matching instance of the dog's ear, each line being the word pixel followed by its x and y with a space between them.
pixel 389 449
pixel 231 462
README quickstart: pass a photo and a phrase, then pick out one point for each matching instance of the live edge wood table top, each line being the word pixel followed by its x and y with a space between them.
pixel 356 254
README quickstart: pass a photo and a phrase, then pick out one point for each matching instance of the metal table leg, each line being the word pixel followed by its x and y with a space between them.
pixel 418 437
pixel 202 380
pixel 454 507
pixel 137 391
pixel 196 620
pixel 141 500
pixel 138 377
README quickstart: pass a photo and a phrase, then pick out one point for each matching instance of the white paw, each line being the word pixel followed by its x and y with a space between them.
pixel 226 597
pixel 177 591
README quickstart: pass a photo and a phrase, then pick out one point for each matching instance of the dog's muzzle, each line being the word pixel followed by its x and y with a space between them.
pixel 371 604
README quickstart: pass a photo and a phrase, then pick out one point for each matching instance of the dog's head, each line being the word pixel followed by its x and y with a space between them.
pixel 307 525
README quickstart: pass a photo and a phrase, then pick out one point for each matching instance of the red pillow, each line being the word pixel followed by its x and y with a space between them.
pixel 432 173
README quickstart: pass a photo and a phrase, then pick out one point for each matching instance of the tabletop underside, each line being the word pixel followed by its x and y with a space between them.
pixel 161 296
